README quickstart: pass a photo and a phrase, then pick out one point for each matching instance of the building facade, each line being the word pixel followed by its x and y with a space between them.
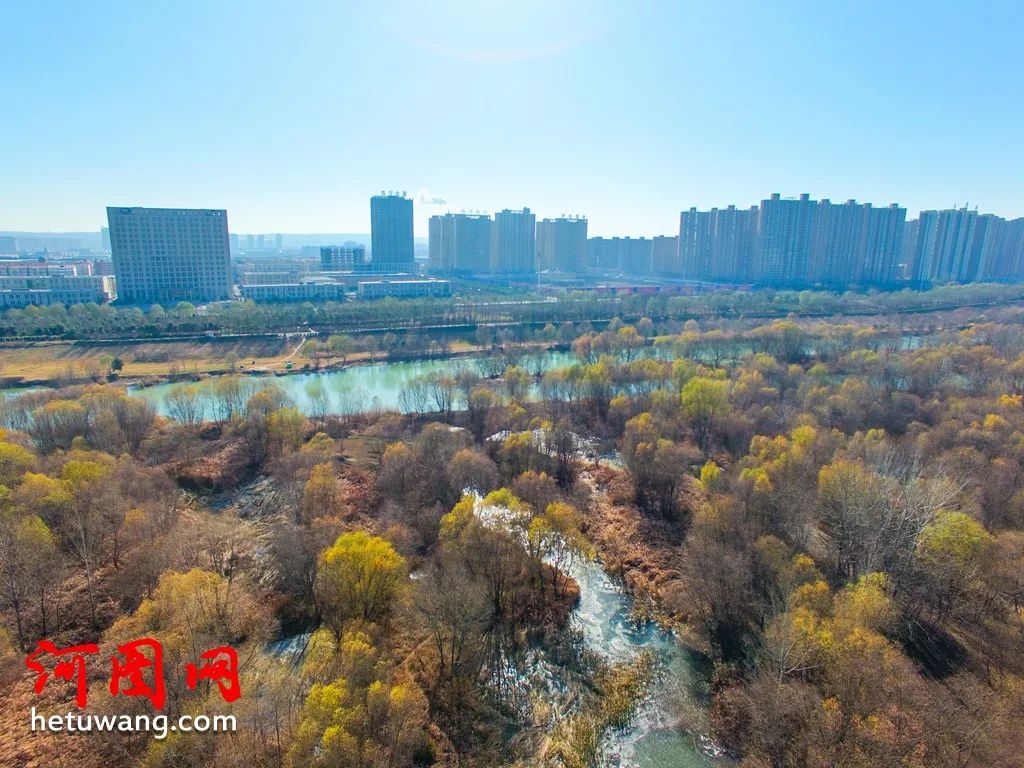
pixel 514 242
pixel 619 254
pixel 44 290
pixel 165 255
pixel 665 255
pixel 310 290
pixel 349 257
pixel 960 245
pixel 793 242
pixel 461 243
pixel 562 245
pixel 392 246
pixel 403 289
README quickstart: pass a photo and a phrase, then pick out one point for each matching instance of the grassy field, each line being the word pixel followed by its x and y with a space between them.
pixel 63 360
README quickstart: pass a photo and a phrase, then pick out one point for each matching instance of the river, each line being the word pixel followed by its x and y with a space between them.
pixel 359 388
pixel 378 386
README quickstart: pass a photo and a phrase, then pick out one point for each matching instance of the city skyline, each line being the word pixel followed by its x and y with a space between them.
pixel 918 103
pixel 422 231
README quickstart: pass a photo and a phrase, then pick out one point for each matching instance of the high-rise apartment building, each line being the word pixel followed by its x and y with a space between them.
pixel 876 259
pixel 665 255
pixel 910 230
pixel 513 242
pixel 784 237
pixel 716 245
pixel 391 246
pixel 460 242
pixel 350 257
pixel 732 252
pixel 562 245
pixel 835 236
pixel 625 254
pixel 170 254
pixel 960 245
pixel 793 241
pixel 696 234
pixel 942 250
pixel 1002 254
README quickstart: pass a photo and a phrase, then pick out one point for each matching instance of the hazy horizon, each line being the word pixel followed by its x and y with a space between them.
pixel 624 114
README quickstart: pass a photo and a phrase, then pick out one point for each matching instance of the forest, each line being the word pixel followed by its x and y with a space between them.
pixel 827 511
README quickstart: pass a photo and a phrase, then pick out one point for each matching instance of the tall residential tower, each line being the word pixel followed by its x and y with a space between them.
pixel 460 242
pixel 562 244
pixel 513 242
pixel 391 247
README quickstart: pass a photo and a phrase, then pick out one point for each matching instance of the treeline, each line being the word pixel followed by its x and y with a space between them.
pixel 90 321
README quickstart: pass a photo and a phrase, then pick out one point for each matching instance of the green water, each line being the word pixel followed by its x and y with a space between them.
pixel 360 388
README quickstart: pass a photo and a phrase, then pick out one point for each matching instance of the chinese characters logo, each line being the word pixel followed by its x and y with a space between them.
pixel 137 669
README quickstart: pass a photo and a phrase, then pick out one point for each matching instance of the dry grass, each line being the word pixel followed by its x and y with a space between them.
pixel 53 360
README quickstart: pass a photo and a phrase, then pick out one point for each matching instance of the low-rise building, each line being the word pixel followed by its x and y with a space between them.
pixel 44 290
pixel 299 291
pixel 268 278
pixel 403 289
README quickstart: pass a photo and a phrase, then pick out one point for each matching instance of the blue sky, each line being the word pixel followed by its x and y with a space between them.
pixel 291 114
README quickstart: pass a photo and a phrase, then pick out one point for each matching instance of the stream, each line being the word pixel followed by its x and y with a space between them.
pixel 655 738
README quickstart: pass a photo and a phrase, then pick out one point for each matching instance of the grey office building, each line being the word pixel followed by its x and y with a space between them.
pixel 391 246
pixel 166 255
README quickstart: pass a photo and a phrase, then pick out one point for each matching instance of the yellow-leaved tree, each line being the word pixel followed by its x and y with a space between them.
pixel 359 577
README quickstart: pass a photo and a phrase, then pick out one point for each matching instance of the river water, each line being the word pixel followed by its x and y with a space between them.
pixel 379 386
pixel 656 737
pixel 360 388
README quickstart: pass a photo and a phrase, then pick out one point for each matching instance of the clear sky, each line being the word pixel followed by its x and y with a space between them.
pixel 291 115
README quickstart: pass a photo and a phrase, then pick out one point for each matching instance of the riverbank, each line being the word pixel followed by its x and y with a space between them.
pixel 646 553
pixel 671 728
pixel 51 364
